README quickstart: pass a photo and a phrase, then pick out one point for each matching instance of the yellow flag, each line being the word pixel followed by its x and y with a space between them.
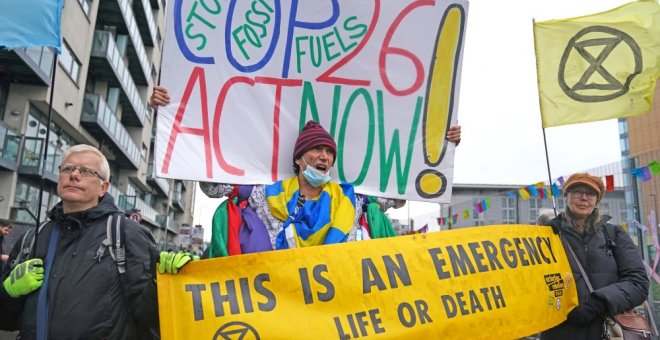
pixel 599 66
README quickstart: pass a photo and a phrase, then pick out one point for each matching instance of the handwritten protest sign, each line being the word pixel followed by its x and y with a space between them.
pixel 381 76
pixel 484 282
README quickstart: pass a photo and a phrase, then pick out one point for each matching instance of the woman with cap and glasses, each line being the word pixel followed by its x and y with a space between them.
pixel 607 255
pixel 306 209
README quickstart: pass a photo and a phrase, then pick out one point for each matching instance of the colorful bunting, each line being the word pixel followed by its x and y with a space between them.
pixel 555 189
pixel 609 182
pixel 532 190
pixel 523 193
pixel 646 174
pixel 637 172
pixel 655 167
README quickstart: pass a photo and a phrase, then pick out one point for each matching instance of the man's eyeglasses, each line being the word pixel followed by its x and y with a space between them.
pixel 84 171
pixel 588 194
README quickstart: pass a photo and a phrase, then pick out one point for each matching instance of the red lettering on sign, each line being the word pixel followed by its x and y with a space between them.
pixel 197 74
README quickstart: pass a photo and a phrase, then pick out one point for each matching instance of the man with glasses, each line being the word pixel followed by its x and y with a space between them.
pixel 68 291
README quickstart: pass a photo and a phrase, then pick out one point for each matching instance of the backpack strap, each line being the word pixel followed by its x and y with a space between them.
pixel 114 242
pixel 609 244
pixel 27 243
pixel 118 243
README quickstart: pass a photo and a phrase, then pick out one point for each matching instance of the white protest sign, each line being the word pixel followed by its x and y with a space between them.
pixel 382 77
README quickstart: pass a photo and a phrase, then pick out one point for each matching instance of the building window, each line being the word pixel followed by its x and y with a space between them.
pixel 144 151
pixel 27 194
pixel 69 62
pixel 534 206
pixel 508 210
pixel 85 4
pixel 624 144
pixel 559 202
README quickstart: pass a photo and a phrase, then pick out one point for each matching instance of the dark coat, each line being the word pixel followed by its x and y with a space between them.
pixel 87 300
pixel 618 279
pixel 2 264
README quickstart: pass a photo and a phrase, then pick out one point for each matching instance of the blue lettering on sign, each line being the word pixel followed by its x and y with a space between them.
pixel 178 33
pixel 269 53
pixel 302 24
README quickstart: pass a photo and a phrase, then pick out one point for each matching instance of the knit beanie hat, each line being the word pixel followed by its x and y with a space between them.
pixel 311 136
pixel 590 181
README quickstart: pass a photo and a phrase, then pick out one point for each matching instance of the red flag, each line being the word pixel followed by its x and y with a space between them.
pixel 609 179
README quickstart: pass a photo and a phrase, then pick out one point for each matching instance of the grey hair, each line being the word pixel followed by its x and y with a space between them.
pixel 104 166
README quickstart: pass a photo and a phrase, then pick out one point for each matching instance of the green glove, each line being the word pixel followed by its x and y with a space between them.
pixel 25 278
pixel 171 262
pixel 193 256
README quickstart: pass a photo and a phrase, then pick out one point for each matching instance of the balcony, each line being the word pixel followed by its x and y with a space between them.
pixel 10 144
pixel 177 201
pixel 32 66
pixel 161 184
pixel 171 227
pixel 145 21
pixel 30 163
pixel 131 203
pixel 108 65
pixel 99 120
pixel 184 185
pixel 118 13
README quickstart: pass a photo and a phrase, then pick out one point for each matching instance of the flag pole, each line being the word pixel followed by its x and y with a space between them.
pixel 42 181
pixel 547 162
pixel 545 142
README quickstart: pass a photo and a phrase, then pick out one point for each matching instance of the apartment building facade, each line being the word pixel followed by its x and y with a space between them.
pixel 110 61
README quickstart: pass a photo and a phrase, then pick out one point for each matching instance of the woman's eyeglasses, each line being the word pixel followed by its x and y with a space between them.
pixel 580 193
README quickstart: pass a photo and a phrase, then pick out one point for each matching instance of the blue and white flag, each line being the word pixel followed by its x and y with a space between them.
pixel 29 23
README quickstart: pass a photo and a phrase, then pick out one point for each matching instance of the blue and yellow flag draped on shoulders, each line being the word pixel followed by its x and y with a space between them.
pixel 29 23
pixel 599 66
pixel 324 220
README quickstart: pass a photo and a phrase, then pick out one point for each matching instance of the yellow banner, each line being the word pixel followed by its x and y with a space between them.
pixel 482 282
pixel 599 66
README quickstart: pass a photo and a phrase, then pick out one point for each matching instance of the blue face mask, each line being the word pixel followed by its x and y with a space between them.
pixel 315 177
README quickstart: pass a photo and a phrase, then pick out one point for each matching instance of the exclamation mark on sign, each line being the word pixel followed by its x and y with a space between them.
pixel 431 183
